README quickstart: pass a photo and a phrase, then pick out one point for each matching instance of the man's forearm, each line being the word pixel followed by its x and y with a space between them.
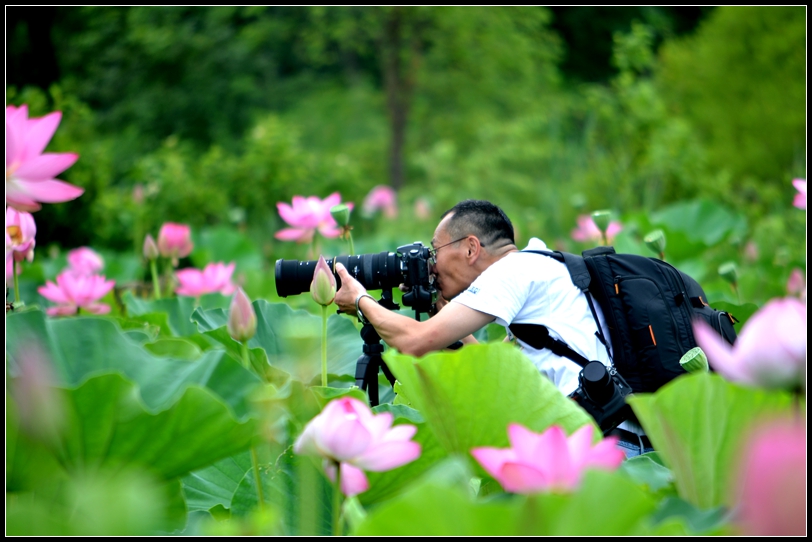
pixel 398 331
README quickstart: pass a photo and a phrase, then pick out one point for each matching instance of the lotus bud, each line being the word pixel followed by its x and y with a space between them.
pixel 656 242
pixel 323 287
pixel 150 248
pixel 175 241
pixel 601 219
pixel 242 320
pixel 341 214
pixel 694 361
pixel 729 272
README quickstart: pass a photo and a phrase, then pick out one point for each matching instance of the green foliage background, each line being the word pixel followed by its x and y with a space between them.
pixel 220 113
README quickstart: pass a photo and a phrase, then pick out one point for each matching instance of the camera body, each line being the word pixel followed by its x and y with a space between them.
pixel 408 265
pixel 602 393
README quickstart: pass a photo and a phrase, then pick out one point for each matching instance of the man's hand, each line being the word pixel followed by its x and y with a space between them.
pixel 349 291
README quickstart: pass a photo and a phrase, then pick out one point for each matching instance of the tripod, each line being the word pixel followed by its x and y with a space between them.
pixel 421 299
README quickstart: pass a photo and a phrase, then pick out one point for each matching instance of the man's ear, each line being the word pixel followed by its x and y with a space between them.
pixel 474 247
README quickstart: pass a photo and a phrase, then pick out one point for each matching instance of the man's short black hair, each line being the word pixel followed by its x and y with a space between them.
pixel 481 218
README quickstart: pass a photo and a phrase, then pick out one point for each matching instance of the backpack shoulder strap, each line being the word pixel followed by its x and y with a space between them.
pixel 576 266
pixel 538 336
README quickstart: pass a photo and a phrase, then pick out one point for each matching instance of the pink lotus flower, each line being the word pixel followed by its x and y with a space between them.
pixel 30 172
pixel 348 433
pixel 308 215
pixel 587 231
pixel 770 351
pixel 20 231
pixel 771 482
pixel 215 277
pixel 547 461
pixel 800 197
pixel 72 292
pixel 381 197
pixel 175 241
pixel 85 261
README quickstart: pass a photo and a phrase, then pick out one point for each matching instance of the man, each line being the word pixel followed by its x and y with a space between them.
pixel 483 278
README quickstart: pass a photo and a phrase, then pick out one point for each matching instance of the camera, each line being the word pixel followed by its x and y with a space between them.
pixel 602 393
pixel 408 265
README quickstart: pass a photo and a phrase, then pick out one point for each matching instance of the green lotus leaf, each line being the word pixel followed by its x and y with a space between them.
pixel 469 397
pixel 178 309
pixel 700 220
pixel 295 486
pixel 80 347
pixel 698 423
pixel 111 426
pixel 606 504
pixel 174 347
pixel 206 488
pixel 292 338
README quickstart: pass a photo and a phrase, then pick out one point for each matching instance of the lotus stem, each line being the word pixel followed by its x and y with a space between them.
pixel 257 478
pixel 156 283
pixel 324 345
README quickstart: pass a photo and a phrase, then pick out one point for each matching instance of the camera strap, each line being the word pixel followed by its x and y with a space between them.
pixel 538 336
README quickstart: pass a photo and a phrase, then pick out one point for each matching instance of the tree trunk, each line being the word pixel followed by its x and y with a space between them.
pixel 398 58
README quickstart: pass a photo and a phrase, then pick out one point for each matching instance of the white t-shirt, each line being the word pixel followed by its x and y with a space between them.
pixel 527 288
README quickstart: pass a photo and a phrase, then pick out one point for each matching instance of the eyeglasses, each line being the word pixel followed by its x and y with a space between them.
pixel 433 251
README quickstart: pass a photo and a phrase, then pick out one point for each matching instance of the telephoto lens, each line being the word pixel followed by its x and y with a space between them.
pixel 373 271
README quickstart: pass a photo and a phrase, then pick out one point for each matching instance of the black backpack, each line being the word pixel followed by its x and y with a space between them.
pixel 648 305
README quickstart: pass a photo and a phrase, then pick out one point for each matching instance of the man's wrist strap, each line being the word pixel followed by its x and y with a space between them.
pixel 361 318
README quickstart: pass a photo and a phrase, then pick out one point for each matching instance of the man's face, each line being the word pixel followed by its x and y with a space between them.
pixel 451 270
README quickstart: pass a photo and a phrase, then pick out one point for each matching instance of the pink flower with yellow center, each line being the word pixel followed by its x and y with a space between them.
pixel 307 215
pixel 20 231
pixel 29 171
pixel 73 291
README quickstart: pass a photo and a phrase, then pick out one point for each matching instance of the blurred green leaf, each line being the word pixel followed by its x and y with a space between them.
pixel 697 521
pixel 128 502
pixel 698 422
pixel 699 220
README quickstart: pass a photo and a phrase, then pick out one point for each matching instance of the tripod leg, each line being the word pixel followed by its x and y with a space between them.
pixel 371 381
